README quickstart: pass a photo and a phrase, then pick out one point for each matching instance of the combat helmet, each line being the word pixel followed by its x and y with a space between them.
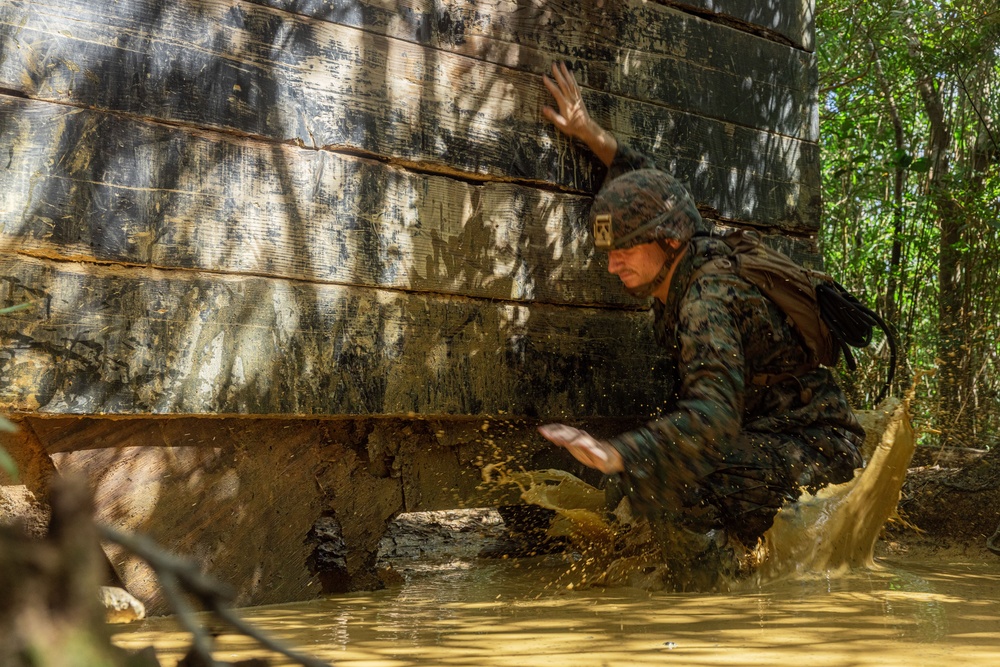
pixel 643 206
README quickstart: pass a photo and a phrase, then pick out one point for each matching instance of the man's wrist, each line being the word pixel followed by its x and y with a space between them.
pixel 593 134
pixel 602 143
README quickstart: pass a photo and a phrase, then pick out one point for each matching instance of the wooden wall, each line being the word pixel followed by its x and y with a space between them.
pixel 290 259
pixel 331 208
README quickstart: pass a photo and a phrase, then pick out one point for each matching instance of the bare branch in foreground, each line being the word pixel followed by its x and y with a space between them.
pixel 177 575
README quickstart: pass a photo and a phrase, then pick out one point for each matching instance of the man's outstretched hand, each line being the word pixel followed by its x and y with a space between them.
pixel 585 448
pixel 572 118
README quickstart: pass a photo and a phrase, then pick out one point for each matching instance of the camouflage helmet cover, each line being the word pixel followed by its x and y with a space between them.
pixel 643 206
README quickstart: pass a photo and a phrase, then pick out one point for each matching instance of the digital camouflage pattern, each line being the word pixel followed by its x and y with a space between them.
pixel 729 452
pixel 643 206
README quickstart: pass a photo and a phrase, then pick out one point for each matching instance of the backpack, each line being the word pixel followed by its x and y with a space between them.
pixel 829 319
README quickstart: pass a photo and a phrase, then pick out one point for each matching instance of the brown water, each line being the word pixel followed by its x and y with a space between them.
pixel 469 611
pixel 504 613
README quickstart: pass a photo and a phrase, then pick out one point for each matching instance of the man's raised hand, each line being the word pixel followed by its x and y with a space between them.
pixel 572 118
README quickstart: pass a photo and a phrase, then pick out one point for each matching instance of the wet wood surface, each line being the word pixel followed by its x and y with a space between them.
pixel 647 51
pixel 91 186
pixel 96 187
pixel 110 340
pixel 794 20
pixel 263 72
pixel 300 208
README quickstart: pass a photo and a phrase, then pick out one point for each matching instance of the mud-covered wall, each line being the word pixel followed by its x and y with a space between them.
pixel 226 207
pixel 281 509
pixel 279 239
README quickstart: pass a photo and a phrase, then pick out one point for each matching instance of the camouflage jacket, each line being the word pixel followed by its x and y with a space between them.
pixel 722 333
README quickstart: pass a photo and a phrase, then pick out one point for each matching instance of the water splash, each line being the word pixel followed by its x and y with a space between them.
pixel 835 529
pixel 838 527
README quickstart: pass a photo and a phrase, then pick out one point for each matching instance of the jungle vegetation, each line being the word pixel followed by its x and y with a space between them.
pixel 909 103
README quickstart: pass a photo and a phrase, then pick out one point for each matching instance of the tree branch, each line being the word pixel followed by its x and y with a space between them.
pixel 176 574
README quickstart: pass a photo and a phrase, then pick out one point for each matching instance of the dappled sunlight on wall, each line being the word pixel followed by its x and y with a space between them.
pixel 282 169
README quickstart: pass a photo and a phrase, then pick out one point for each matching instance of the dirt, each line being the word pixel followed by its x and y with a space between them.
pixel 950 505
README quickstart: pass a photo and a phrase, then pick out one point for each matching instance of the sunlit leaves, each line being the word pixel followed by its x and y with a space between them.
pixel 876 137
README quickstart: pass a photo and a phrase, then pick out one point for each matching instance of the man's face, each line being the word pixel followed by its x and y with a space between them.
pixel 637 265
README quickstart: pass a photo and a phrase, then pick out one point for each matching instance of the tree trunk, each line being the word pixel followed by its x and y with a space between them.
pixel 953 379
pixel 889 307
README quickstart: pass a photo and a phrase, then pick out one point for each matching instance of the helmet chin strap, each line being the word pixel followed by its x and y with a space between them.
pixel 648 289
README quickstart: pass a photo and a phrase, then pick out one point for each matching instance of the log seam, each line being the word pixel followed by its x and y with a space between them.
pixel 413 166
pixel 49 256
pixel 733 23
pixel 725 21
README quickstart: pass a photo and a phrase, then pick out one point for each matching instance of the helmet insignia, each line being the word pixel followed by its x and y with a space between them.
pixel 603 236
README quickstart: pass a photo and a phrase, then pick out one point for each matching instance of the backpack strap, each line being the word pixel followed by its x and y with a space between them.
pixel 829 319
pixel 851 323
pixel 727 266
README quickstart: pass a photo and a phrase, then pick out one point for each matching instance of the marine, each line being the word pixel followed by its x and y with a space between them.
pixel 752 423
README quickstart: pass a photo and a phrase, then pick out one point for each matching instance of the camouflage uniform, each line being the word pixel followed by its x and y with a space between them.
pixel 733 447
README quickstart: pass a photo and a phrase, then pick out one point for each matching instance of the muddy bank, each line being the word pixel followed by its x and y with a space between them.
pixel 950 503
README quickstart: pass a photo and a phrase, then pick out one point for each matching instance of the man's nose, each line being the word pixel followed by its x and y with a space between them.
pixel 613 263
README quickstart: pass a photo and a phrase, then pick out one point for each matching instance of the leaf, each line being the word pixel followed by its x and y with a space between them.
pixel 900 159
pixel 921 165
pixel 16 307
pixel 7 464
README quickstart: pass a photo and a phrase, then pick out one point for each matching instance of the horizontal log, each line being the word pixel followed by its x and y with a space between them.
pixel 257 71
pixel 793 19
pixel 640 50
pixel 93 186
pixel 110 340
pixel 764 180
pixel 242 496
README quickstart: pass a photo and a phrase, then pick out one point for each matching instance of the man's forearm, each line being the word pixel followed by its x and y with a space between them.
pixel 601 142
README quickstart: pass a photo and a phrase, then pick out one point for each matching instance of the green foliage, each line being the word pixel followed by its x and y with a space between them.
pixel 904 219
pixel 15 308
pixel 7 463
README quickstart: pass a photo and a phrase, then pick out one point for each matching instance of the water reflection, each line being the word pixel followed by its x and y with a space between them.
pixel 507 613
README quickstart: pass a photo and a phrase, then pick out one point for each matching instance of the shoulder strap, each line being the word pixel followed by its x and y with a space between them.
pixel 789 285
pixel 828 317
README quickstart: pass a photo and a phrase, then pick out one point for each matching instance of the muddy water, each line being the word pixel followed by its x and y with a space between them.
pixel 484 613
pixel 469 611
